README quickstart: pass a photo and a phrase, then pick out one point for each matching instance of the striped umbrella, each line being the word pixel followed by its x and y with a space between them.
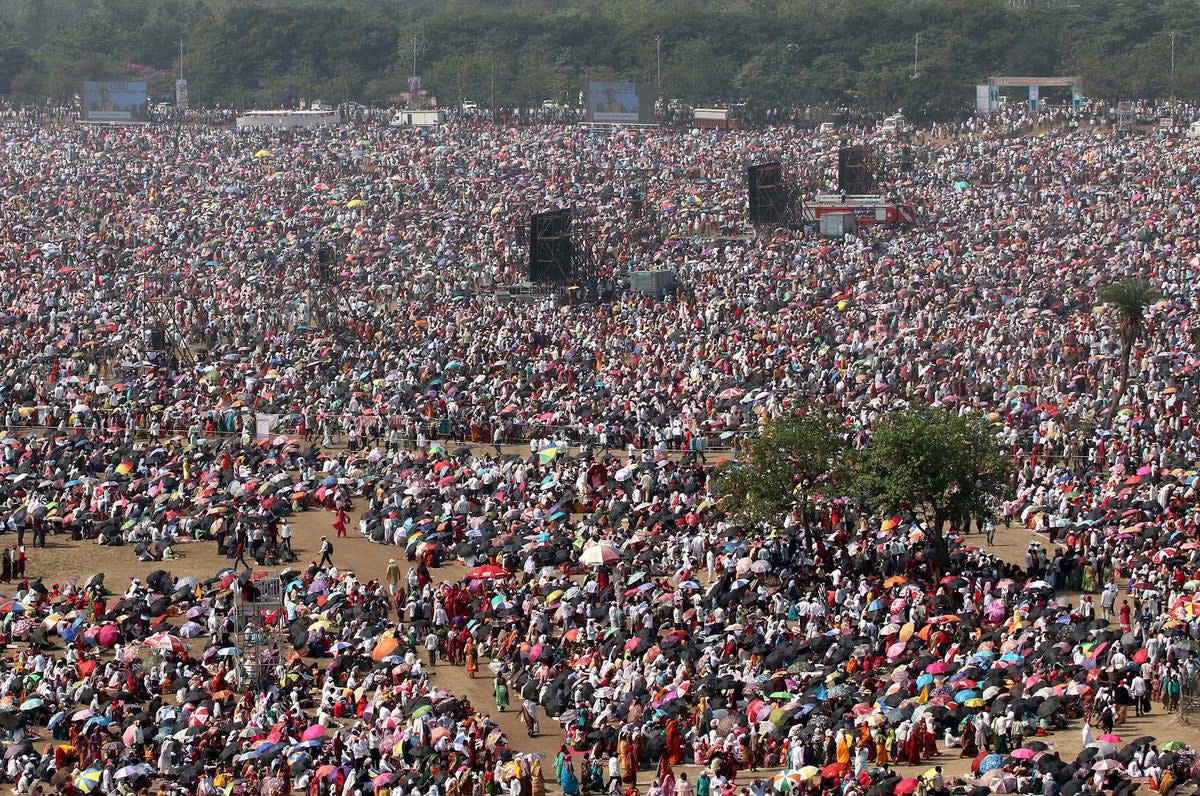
pixel 88 781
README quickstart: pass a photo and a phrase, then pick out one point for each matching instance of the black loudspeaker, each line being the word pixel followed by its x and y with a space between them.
pixel 637 206
pixel 854 175
pixel 324 264
pixel 158 338
pixel 551 252
pixel 766 194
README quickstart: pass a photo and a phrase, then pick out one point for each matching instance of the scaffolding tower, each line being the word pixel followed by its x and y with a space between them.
pixel 1126 117
pixel 259 625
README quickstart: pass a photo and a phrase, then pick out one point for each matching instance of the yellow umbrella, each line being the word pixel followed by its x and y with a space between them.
pixel 553 596
pixel 356 203
pixel 262 153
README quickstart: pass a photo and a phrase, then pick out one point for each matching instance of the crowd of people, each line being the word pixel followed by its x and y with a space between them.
pixel 204 331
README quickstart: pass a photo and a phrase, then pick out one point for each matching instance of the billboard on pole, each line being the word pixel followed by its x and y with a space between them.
pixel 114 102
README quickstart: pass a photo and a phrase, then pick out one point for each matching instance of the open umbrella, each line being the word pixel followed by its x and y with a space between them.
pixel 600 554
pixel 88 781
pixel 488 572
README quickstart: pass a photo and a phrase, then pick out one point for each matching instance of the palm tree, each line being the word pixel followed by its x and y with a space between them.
pixel 1128 299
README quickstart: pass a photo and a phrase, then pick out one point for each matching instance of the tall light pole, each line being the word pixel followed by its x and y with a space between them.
pixel 415 42
pixel 916 51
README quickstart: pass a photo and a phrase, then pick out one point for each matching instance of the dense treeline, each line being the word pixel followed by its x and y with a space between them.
pixel 766 52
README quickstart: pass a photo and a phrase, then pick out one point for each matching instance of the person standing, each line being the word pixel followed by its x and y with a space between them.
pixel 501 691
pixel 326 552
pixel 392 577
pixel 341 522
pixel 285 536
pixel 431 646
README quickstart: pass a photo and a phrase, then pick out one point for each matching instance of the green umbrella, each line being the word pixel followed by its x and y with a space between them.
pixel 33 703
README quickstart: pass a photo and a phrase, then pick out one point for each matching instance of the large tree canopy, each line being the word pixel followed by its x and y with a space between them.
pixel 935 464
pixel 764 52
pixel 793 457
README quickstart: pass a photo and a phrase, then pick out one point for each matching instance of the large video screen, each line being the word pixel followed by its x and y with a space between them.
pixel 114 102
pixel 618 102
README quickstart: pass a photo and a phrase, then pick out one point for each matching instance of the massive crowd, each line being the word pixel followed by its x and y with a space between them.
pixel 180 363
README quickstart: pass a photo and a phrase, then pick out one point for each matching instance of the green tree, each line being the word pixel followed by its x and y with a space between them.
pixel 781 467
pixel 935 464
pixel 1128 301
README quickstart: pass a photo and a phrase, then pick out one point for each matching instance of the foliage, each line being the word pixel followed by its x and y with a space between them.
pixel 782 466
pixel 764 52
pixel 1128 299
pixel 935 464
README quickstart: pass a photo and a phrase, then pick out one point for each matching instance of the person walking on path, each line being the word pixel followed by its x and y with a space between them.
pixel 501 688
pixel 326 552
pixel 340 523
pixel 240 554
pixel 471 657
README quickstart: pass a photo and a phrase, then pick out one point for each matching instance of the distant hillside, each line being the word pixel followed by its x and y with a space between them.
pixel 764 52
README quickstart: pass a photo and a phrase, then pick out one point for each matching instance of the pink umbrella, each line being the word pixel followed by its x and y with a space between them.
pixel 1023 753
pixel 896 650
pixel 107 637
pixel 937 667
pixel 313 732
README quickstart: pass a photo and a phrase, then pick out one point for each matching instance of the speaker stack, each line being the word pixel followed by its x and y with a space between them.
pixel 551 251
pixel 766 193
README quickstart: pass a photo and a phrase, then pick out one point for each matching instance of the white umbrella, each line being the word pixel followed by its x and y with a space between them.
pixel 598 555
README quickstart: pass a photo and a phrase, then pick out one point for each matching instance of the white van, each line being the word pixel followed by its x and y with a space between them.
pixel 894 124
pixel 1193 130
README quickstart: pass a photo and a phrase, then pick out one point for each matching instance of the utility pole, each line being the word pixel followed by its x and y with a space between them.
pixel 181 59
pixel 916 51
pixel 1172 66
pixel 658 65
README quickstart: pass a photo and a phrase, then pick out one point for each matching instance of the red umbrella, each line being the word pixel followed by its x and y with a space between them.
pixel 905 786
pixel 833 770
pixel 488 571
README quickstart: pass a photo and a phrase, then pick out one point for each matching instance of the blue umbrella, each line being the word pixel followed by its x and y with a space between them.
pixel 964 695
pixel 990 763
